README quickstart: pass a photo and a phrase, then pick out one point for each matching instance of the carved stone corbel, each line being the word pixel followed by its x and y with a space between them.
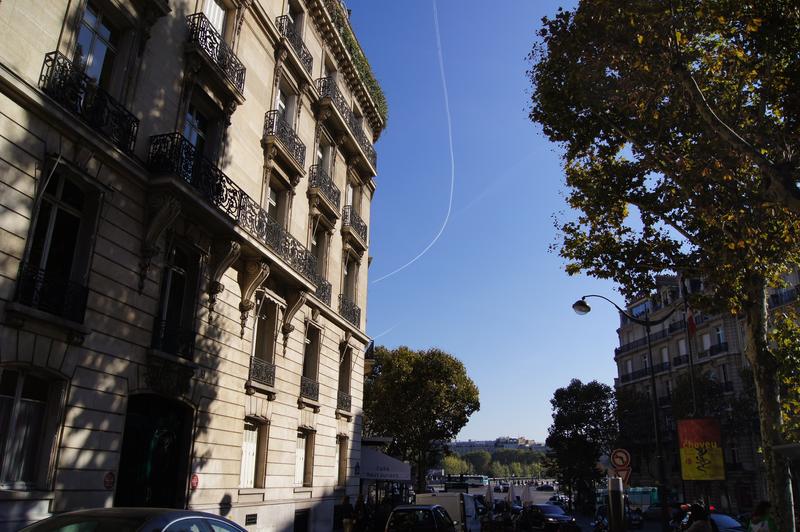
pixel 230 108
pixel 244 6
pixel 167 210
pixel 250 276
pixel 294 303
pixel 223 254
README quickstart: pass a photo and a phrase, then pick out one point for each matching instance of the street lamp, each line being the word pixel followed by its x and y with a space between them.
pixel 581 307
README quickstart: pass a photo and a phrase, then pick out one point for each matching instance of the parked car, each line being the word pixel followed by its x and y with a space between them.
pixel 545 487
pixel 419 518
pixel 135 519
pixel 462 507
pixel 547 517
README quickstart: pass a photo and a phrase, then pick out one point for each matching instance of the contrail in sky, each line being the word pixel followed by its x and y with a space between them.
pixel 452 158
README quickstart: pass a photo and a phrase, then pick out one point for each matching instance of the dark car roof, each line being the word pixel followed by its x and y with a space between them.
pixel 154 516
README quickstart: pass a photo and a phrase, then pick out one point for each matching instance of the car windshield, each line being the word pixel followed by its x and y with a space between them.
pixel 551 509
pixel 725 521
pixel 83 523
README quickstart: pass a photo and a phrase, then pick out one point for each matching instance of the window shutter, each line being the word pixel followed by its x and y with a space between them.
pixel 249 444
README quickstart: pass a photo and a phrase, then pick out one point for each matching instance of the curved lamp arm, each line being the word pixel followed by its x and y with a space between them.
pixel 582 307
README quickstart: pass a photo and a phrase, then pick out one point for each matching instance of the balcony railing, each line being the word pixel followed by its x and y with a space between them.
pixel 51 292
pixel 287 29
pixel 680 360
pixel 173 154
pixel 349 310
pixel 350 218
pixel 675 326
pixel 203 35
pixel 639 374
pixel 173 339
pixel 663 366
pixel 328 89
pixel 320 179
pixel 782 297
pixel 79 94
pixel 262 371
pixel 343 401
pixel 309 388
pixel 718 348
pixel 275 126
pixel 324 290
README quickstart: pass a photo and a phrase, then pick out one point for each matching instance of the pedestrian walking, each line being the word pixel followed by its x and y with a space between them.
pixel 761 521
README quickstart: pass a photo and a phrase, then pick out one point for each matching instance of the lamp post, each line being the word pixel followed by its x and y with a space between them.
pixel 581 307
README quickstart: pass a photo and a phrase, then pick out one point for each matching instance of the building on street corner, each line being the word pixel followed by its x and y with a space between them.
pixel 184 234
pixel 712 347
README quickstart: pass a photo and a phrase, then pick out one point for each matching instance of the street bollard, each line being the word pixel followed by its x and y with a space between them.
pixel 616 505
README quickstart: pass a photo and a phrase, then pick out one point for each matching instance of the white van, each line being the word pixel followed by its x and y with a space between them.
pixel 462 507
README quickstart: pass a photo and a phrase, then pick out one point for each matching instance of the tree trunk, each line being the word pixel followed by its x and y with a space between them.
pixel 765 375
pixel 422 470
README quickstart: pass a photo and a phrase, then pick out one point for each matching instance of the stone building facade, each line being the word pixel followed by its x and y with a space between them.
pixel 714 353
pixel 186 189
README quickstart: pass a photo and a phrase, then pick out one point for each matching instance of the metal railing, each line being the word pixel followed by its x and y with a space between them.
pixel 641 342
pixel 173 154
pixel 680 360
pixel 319 178
pixel 343 401
pixel 203 35
pixel 662 366
pixel 675 326
pixel 718 348
pixel 350 218
pixel 328 89
pixel 324 290
pixel 262 371
pixel 173 339
pixel 309 388
pixel 50 292
pixel 62 81
pixel 287 29
pixel 275 126
pixel 349 311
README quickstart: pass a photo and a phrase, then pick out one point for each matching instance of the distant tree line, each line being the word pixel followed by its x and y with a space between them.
pixel 499 463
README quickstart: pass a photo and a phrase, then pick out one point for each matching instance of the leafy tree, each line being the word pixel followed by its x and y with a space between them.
pixel 709 394
pixel 499 470
pixel 584 428
pixel 421 399
pixel 454 465
pixel 784 335
pixel 679 122
pixel 479 460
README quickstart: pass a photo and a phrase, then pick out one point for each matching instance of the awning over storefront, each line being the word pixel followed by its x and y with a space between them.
pixel 377 466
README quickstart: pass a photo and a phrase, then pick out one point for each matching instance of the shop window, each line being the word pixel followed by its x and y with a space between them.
pixel 254 454
pixel 30 405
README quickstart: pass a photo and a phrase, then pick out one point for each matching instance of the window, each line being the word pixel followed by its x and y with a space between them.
pixel 214 10
pixel 706 342
pixel 645 362
pixel 196 128
pixel 59 249
pixel 350 279
pixel 286 104
pixel 266 328
pixel 682 347
pixel 96 49
pixel 341 460
pixel 276 201
pixel 665 355
pixel 185 524
pixel 352 196
pixel 319 248
pixel 304 459
pixel 324 155
pixel 311 353
pixel 641 309
pixel 345 366
pixel 29 406
pixel 254 455
pixel 629 366
pixel 719 332
pixel 174 332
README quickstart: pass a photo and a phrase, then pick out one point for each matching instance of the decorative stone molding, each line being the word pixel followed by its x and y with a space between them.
pixel 223 254
pixel 250 276
pixel 293 303
pixel 166 210
pixel 241 11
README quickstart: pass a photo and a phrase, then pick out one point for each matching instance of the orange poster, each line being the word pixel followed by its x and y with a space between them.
pixel 701 449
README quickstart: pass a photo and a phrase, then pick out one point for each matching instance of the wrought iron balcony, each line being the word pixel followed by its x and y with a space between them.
pixel 287 29
pixel 343 401
pixel 639 374
pixel 50 292
pixel 275 126
pixel 173 339
pixel 309 388
pixel 173 154
pixel 349 310
pixel 205 37
pixel 641 342
pixel 350 218
pixel 79 94
pixel 675 326
pixel 320 179
pixel 718 348
pixel 262 371
pixel 663 366
pixel 328 89
pixel 680 360
pixel 324 290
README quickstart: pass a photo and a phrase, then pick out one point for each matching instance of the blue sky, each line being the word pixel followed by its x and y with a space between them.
pixel 489 291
